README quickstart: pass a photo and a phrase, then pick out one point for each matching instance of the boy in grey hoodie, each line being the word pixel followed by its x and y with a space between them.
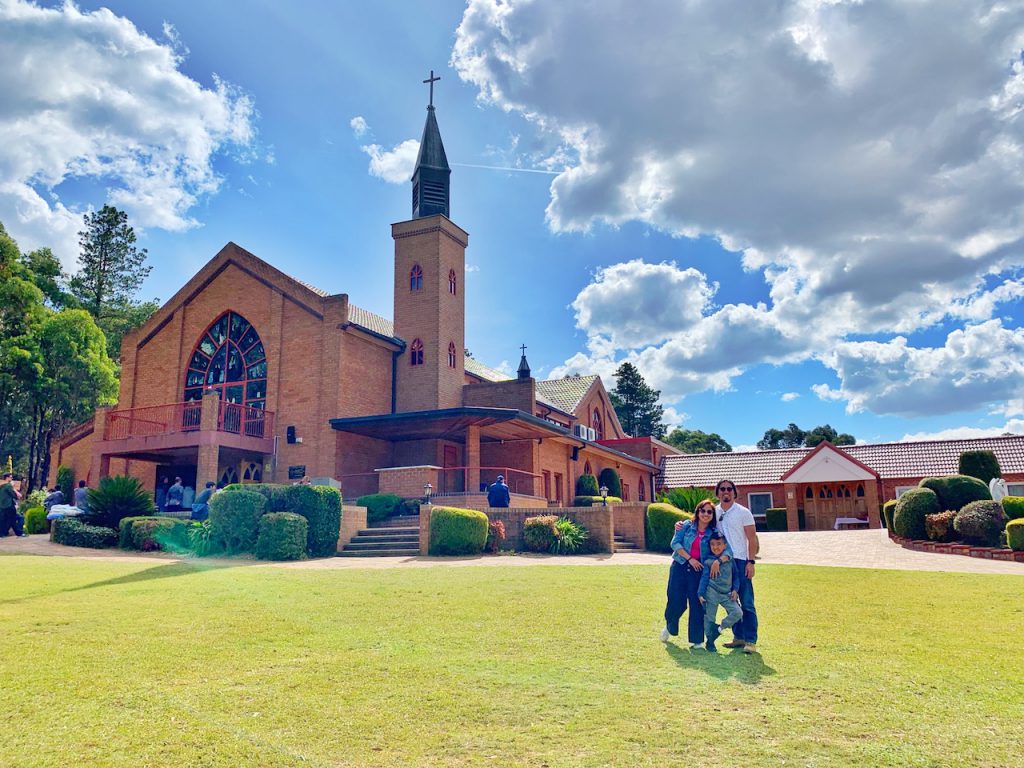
pixel 719 591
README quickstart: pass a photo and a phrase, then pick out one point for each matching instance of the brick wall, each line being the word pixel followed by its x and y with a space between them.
pixel 517 393
pixel 353 519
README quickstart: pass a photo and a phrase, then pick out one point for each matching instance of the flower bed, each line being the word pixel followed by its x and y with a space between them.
pixel 969 550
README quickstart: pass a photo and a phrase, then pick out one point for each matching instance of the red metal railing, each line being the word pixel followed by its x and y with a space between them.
pixel 152 420
pixel 455 480
pixel 244 420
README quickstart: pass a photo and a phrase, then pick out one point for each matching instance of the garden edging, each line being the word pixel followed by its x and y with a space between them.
pixel 968 550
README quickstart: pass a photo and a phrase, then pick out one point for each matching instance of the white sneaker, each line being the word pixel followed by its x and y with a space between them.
pixel 665 636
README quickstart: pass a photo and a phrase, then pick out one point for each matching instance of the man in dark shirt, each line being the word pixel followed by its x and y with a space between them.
pixel 201 506
pixel 497 494
pixel 9 517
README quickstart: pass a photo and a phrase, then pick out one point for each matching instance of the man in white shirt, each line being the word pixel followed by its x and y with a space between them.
pixel 737 523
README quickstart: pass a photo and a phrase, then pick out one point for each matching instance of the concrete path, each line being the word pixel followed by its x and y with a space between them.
pixel 848 549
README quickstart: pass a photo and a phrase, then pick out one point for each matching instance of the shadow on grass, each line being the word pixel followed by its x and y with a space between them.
pixel 746 668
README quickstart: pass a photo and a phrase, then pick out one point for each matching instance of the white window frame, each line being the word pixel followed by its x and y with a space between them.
pixel 901 489
pixel 1010 489
pixel 771 502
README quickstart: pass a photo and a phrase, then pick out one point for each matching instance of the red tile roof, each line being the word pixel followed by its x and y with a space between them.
pixel 890 460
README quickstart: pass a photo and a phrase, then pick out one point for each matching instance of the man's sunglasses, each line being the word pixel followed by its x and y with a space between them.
pixel 726 488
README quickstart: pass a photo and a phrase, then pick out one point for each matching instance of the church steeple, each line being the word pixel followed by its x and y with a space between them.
pixel 431 181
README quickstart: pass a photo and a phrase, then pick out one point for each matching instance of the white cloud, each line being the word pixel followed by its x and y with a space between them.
pixel 788 397
pixel 395 165
pixel 472 268
pixel 1015 426
pixel 86 95
pixel 877 188
pixel 673 418
pixel 359 126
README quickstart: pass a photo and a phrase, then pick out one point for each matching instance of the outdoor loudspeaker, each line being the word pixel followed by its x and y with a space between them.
pixel 575 453
pixel 291 434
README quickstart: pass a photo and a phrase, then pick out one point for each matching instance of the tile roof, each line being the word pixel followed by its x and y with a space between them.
pixel 371 322
pixel 476 368
pixel 313 288
pixel 890 460
pixel 564 394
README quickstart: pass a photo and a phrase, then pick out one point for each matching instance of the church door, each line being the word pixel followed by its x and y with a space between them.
pixel 452 475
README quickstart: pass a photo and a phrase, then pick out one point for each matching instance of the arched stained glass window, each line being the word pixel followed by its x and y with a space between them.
pixel 451 354
pixel 415 278
pixel 416 352
pixel 451 282
pixel 229 357
pixel 595 422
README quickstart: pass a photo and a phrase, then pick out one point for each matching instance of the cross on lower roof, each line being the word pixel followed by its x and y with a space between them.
pixel 432 80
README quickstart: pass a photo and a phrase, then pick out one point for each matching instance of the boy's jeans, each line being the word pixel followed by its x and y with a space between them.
pixel 733 612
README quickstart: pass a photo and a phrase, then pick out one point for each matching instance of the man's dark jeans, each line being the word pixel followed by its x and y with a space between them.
pixel 746 628
pixel 11 519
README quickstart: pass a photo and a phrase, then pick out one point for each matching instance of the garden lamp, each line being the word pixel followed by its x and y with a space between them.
pixel 427 490
pixel 604 494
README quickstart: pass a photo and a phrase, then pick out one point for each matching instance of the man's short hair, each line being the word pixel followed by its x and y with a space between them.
pixel 501 478
pixel 8 476
pixel 730 483
pixel 210 483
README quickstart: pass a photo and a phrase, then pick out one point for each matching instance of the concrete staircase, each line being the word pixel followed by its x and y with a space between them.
pixel 394 537
pixel 621 544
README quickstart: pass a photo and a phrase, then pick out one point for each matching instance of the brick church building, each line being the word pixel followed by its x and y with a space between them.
pixel 249 375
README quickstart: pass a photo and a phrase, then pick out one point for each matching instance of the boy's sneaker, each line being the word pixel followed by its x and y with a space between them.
pixel 749 648
pixel 714 634
pixel 665 636
pixel 710 646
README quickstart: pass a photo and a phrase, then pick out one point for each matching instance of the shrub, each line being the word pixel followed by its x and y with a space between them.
pixel 72 532
pixel 980 464
pixel 954 491
pixel 594 501
pixel 981 522
pixel 200 539
pixel 457 531
pixel 66 482
pixel 34 499
pixel 35 520
pixel 1013 506
pixel 540 534
pixel 687 499
pixel 1015 534
pixel 282 536
pixel 775 519
pixel 124 531
pixel 274 493
pixel 569 536
pixel 409 507
pixel 887 512
pixel 609 478
pixel 911 508
pixel 116 498
pixel 151 533
pixel 495 536
pixel 321 506
pixel 379 506
pixel 939 527
pixel 234 519
pixel 661 521
pixel 587 485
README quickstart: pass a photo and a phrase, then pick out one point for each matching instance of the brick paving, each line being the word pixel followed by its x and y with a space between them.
pixel 848 549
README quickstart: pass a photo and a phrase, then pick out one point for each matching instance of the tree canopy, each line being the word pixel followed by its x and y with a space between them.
pixel 696 441
pixel 636 403
pixel 794 437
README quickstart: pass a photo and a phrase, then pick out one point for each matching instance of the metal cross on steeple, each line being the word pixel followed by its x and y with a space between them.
pixel 523 347
pixel 432 80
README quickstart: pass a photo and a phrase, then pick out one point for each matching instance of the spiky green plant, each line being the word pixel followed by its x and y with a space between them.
pixel 569 536
pixel 118 497
pixel 688 498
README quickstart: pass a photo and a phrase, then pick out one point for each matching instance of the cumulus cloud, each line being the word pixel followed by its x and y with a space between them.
pixel 394 165
pixel 1014 426
pixel 86 95
pixel 877 188
pixel 359 126
pixel 788 397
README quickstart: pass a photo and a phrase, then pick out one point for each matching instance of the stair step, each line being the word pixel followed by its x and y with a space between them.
pixel 391 544
pixel 380 553
pixel 389 531
pixel 400 521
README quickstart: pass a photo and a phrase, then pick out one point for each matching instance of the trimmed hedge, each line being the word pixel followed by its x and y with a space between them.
pixel 35 520
pixel 1015 534
pixel 981 522
pixel 66 482
pixel 610 479
pixel 149 533
pixel 321 506
pixel 887 512
pixel 282 536
pixel 594 501
pixel 939 527
pixel 234 519
pixel 587 485
pixel 911 508
pixel 1013 506
pixel 660 528
pixel 379 506
pixel 954 491
pixel 775 519
pixel 73 533
pixel 540 534
pixel 455 531
pixel 980 464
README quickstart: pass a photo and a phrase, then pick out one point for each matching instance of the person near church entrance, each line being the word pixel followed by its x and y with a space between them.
pixel 9 517
pixel 161 494
pixel 201 506
pixel 56 496
pixel 175 494
pixel 497 493
pixel 82 496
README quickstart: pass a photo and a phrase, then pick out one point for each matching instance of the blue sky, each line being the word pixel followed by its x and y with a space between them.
pixel 811 212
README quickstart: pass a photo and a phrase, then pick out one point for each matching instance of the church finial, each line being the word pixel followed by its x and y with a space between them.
pixel 431 186
pixel 524 367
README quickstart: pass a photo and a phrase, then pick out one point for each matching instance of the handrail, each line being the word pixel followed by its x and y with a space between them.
pixel 519 481
pixel 174 418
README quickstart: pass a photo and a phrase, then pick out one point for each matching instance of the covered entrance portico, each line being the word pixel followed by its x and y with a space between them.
pixel 833 489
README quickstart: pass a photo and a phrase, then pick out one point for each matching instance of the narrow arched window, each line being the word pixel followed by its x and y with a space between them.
pixel 451 282
pixel 451 354
pixel 415 278
pixel 586 469
pixel 640 489
pixel 595 422
pixel 860 491
pixel 416 352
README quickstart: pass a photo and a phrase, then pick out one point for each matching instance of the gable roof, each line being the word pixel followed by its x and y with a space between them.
pixel 372 322
pixel 927 458
pixel 830 463
pixel 475 368
pixel 565 394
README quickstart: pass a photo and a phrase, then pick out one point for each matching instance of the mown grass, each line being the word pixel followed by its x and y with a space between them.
pixel 157 664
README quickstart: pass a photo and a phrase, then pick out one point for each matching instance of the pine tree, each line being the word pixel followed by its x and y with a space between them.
pixel 636 403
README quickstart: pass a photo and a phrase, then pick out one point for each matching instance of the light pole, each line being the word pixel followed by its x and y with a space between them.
pixel 427 490
pixel 604 495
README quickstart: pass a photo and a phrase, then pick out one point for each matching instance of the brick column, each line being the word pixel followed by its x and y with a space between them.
pixel 99 465
pixel 871 499
pixel 209 416
pixel 792 515
pixel 207 465
pixel 425 510
pixel 472 459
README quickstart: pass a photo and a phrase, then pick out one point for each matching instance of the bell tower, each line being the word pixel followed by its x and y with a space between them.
pixel 429 290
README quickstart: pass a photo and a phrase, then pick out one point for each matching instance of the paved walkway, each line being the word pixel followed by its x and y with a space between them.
pixel 848 549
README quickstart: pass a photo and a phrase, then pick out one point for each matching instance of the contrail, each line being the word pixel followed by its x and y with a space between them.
pixel 506 168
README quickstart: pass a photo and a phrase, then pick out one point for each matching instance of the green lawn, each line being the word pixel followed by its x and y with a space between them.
pixel 157 664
